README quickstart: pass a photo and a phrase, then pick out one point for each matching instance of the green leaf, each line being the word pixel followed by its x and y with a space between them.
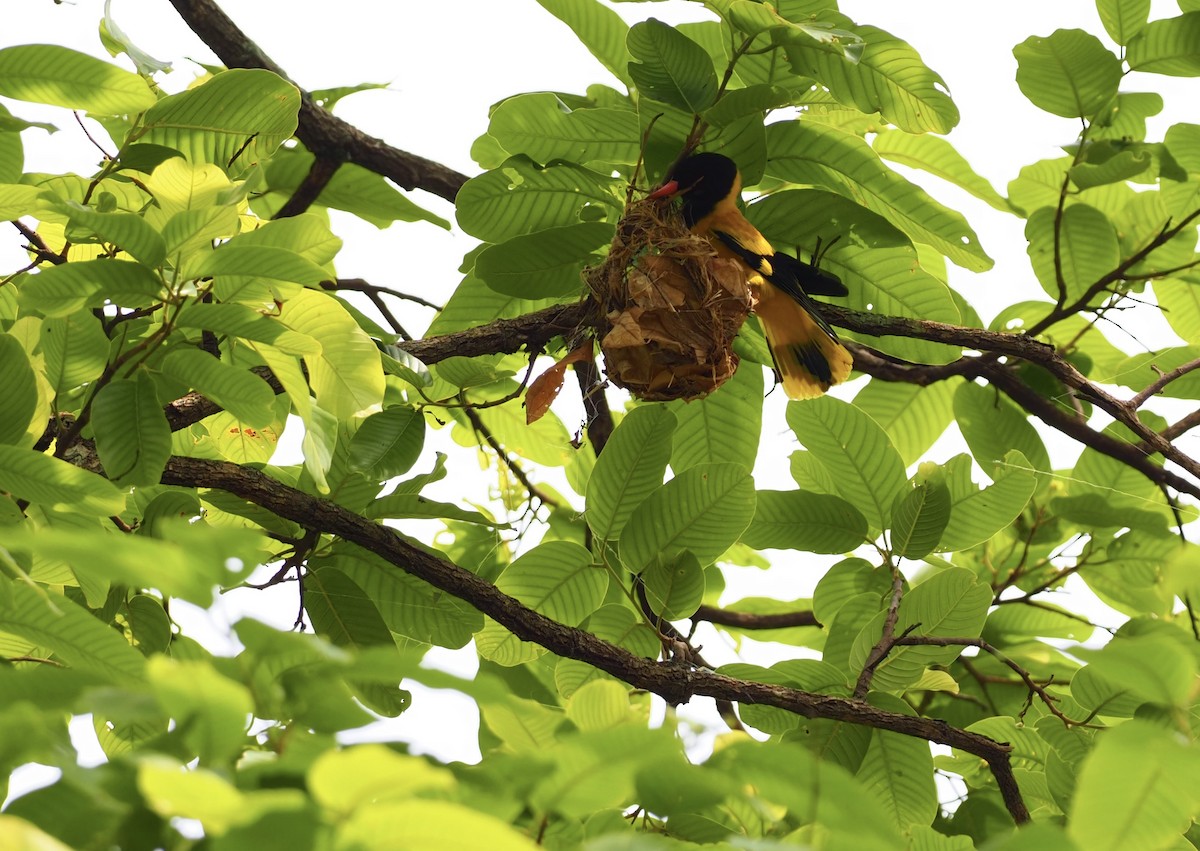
pixel 674 586
pixel 938 157
pixel 992 426
pixel 1069 73
pixel 18 389
pixel 843 582
pixel 1012 624
pixel 557 579
pixel 866 469
pixel 543 128
pixel 352 188
pixel 811 522
pixel 542 264
pixel 630 468
pixel 1151 668
pixel 261 261
pixel 755 100
pixel 723 426
pixel 1123 19
pixel 71 633
pixel 521 197
pixel 211 709
pixel 408 605
pixel 414 505
pixel 387 444
pixel 1146 757
pixel 347 376
pixel 978 514
pixel 601 30
pixel 17 200
pixel 30 475
pixel 899 771
pixel 914 417
pixel 342 612
pixel 239 391
pixel 952 603
pixel 129 231
pixel 919 518
pixel 807 152
pixel 1087 247
pixel 704 509
pixel 75 349
pixel 47 73
pixel 234 120
pixel 1169 46
pixel 889 78
pixel 132 434
pixel 66 289
pixel 238 320
pixel 670 67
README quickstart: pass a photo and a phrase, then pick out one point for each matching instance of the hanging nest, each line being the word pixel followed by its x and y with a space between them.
pixel 673 307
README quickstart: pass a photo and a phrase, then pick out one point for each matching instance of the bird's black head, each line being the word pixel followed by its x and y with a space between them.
pixel 703 180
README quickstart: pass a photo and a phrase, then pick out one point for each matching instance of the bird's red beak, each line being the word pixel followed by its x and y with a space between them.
pixel 667 190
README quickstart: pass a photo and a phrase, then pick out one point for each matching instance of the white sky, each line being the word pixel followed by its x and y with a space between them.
pixel 446 62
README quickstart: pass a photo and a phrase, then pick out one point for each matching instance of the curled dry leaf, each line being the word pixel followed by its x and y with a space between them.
pixel 543 390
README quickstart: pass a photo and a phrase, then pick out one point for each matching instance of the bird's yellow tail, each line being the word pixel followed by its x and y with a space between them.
pixel 809 358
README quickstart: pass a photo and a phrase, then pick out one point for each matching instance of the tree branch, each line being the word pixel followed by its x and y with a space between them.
pixel 324 134
pixel 750 620
pixel 674 683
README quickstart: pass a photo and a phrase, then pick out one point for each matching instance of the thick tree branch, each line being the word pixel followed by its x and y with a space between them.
pixel 324 134
pixel 674 683
pixel 319 174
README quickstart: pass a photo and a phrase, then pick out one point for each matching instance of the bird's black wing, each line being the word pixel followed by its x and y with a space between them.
pixel 813 280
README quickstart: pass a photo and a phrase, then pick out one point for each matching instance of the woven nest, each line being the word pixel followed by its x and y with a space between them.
pixel 673 307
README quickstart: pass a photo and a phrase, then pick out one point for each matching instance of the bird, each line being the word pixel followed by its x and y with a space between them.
pixel 808 355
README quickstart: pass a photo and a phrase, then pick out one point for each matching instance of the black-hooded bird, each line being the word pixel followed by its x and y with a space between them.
pixel 808 355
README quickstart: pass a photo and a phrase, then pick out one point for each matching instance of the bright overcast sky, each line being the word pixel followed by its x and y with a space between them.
pixel 446 61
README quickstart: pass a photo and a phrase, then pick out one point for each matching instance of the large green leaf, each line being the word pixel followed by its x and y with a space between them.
pixel 670 67
pixel 674 585
pixel 66 289
pixel 1086 244
pixel 48 73
pixel 899 771
pixel 521 197
pixel 239 391
pixel 559 579
pixel 209 708
pixel 1123 19
pixel 234 120
pixel 1168 46
pixel 992 426
pixel 543 128
pixel 845 581
pixel 704 509
pixel 347 376
pixel 542 264
pixel 630 468
pixel 1147 757
pixel 239 320
pixel 18 389
pixel 75 348
pixel 71 633
pixel 129 231
pixel 799 520
pixel 39 478
pixel 889 78
pixel 808 153
pixel 352 188
pixel 723 426
pixel 938 157
pixel 952 603
pixel 914 417
pixel 132 434
pixel 866 468
pixel 340 610
pixel 601 30
pixel 978 514
pixel 1068 73
pixel 919 518
pixel 408 606
pixel 387 444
